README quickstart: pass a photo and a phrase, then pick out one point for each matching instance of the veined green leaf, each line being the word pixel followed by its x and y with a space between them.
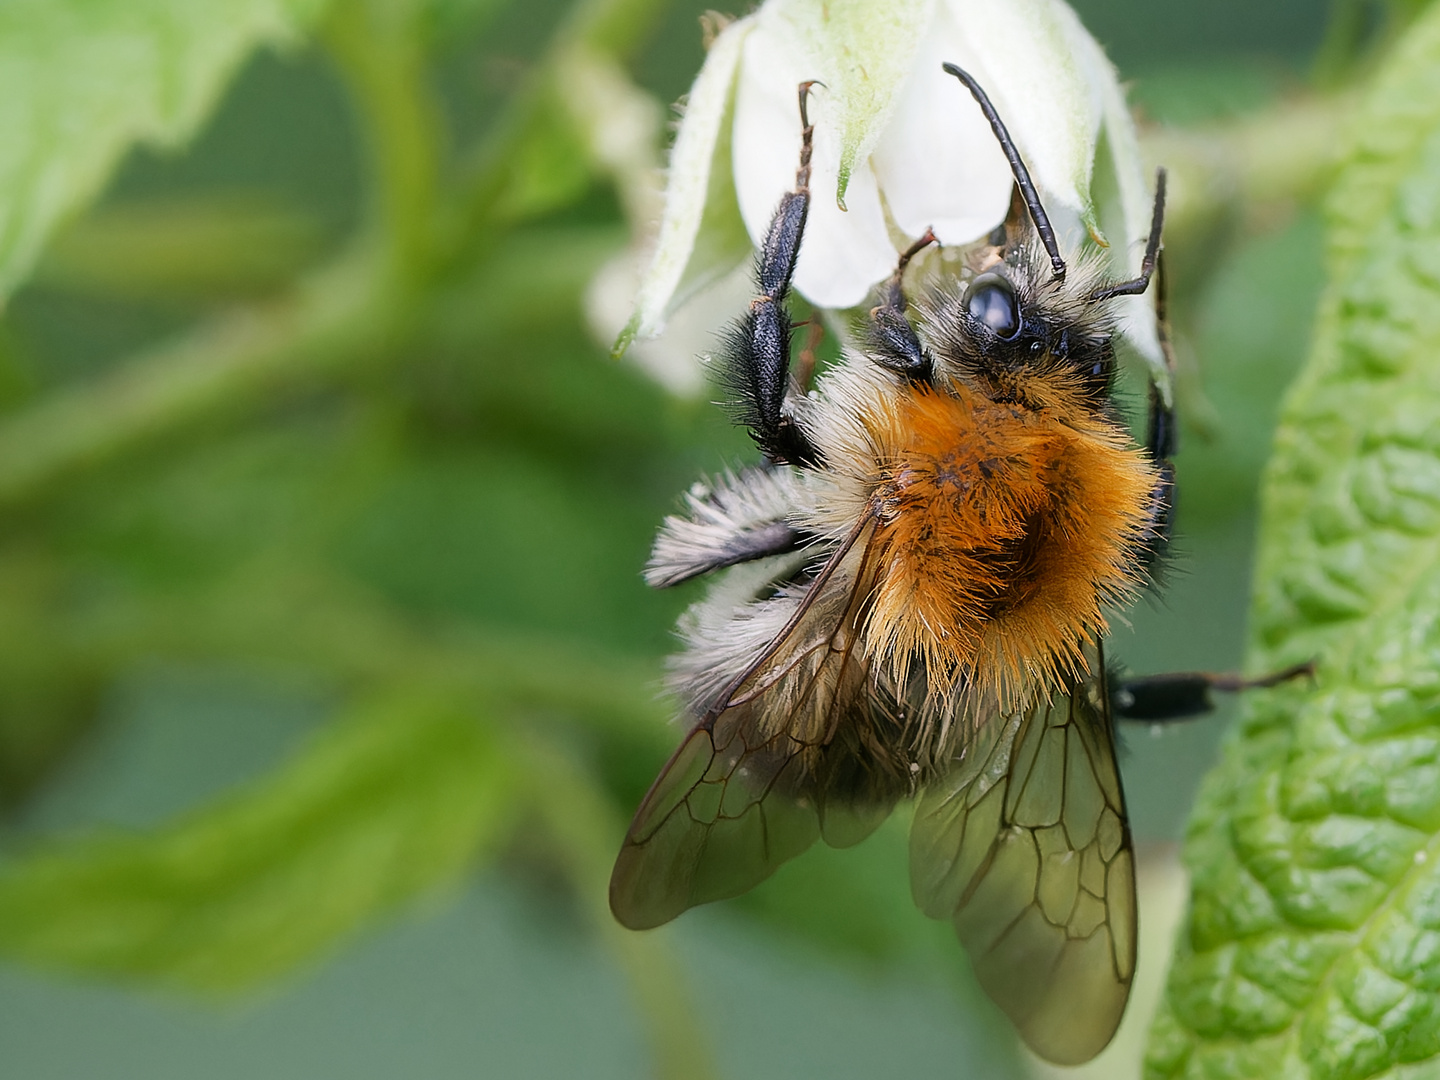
pixel 81 80
pixel 1313 945
pixel 402 795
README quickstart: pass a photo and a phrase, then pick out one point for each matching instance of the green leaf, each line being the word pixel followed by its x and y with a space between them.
pixel 548 166
pixel 404 794
pixel 1313 945
pixel 81 80
pixel 450 24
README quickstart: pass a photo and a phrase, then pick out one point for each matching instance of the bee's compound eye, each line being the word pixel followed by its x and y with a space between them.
pixel 991 300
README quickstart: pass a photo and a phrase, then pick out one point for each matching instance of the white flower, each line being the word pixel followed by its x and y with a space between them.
pixel 899 145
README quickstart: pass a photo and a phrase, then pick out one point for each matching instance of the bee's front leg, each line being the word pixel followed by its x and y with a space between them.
pixel 757 360
pixel 893 341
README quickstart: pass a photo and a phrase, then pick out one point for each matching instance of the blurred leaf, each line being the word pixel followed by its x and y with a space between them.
pixel 1315 850
pixel 447 23
pixel 548 166
pixel 403 794
pixel 1187 94
pixel 81 81
pixel 1357 32
pixel 1252 337
pixel 337 318
pixel 536 157
pixel 49 682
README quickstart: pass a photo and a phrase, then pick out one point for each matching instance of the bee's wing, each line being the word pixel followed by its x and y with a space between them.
pixel 1024 846
pixel 711 827
pixel 766 773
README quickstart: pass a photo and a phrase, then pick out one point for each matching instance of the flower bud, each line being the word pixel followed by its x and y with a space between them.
pixel 899 146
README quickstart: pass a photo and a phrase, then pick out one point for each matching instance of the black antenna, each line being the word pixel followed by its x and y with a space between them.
pixel 1022 174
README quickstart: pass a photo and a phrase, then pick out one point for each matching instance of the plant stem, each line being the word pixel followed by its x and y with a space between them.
pixel 334 319
pixel 379 54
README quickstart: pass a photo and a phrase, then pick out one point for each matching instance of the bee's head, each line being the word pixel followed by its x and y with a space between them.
pixel 1030 326
pixel 1015 332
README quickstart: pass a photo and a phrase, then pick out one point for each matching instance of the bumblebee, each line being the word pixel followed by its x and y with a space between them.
pixel 913 605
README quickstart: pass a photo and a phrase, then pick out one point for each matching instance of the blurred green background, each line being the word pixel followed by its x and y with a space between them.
pixel 327 678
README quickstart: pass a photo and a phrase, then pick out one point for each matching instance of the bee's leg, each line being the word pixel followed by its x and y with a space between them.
pixel 893 341
pixel 1152 251
pixel 757 362
pixel 735 519
pixel 1182 695
pixel 1160 442
pixel 805 366
pixel 1161 429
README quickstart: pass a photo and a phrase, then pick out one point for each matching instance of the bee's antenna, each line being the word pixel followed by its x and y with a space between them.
pixel 1022 174
pixel 1152 250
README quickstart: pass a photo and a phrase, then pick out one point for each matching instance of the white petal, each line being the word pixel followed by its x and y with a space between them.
pixel 1120 139
pixel 939 163
pixel 675 358
pixel 844 252
pixel 689 184
pixel 1120 171
pixel 1028 68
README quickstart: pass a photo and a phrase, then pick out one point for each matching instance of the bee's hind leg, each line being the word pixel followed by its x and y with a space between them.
pixel 1182 695
pixel 757 358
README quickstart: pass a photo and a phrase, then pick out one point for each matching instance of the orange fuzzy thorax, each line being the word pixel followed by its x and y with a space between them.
pixel 1002 533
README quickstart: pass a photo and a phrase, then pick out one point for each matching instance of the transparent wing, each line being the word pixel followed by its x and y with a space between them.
pixel 1024 846
pixel 712 827
pixel 776 764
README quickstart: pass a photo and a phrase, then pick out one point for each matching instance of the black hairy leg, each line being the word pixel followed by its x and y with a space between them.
pixel 893 341
pixel 1186 694
pixel 756 365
